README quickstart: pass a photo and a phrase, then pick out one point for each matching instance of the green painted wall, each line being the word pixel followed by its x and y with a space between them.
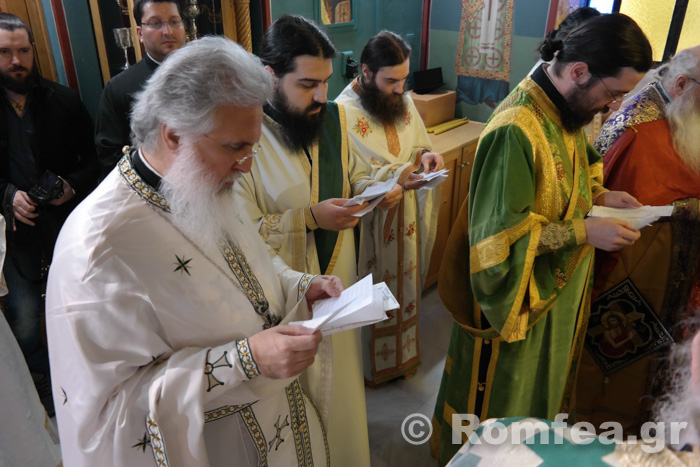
pixel 404 17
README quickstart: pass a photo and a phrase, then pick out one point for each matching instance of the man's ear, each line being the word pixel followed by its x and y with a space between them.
pixel 366 73
pixel 170 138
pixel 138 33
pixel 579 73
pixel 680 84
pixel 272 72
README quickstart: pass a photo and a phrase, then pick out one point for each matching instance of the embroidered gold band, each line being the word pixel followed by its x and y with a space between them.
pixel 309 219
pixel 245 355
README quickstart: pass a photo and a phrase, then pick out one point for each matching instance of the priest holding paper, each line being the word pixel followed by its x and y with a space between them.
pixel 517 266
pixel 395 245
pixel 652 150
pixel 296 194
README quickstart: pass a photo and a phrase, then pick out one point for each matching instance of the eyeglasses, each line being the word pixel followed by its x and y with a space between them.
pixel 156 25
pixel 615 97
pixel 254 150
pixel 692 79
pixel 234 151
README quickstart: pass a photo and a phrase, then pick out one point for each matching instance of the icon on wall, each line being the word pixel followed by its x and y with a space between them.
pixel 336 11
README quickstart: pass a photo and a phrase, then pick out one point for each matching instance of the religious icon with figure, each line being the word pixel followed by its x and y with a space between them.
pixel 623 328
pixel 336 11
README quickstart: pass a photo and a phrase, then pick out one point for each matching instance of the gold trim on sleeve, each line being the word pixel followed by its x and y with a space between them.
pixel 579 231
pixel 495 249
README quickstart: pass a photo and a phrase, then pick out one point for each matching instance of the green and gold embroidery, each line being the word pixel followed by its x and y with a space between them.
pixel 300 424
pixel 256 433
pixel 249 283
pixel 144 190
pixel 250 367
pixel 156 441
pixel 224 411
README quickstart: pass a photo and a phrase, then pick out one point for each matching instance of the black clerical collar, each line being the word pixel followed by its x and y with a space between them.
pixel 270 111
pixel 540 77
pixel 146 173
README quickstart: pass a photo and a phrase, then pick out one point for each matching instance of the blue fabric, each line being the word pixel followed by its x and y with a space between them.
pixel 24 303
pixel 474 91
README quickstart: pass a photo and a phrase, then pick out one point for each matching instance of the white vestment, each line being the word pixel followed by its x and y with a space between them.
pixel 27 437
pixel 147 338
pixel 278 192
pixel 395 245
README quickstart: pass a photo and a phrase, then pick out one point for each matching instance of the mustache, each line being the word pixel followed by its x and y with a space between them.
pixel 18 68
pixel 314 106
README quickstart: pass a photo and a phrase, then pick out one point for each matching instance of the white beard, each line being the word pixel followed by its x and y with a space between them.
pixel 683 117
pixel 204 209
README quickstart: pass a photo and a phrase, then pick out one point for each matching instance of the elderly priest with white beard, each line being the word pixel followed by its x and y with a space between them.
pixel 165 310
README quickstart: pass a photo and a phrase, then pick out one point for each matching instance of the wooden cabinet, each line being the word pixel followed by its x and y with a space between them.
pixel 458 148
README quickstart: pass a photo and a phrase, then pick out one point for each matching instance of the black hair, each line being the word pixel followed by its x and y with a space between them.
pixel 140 4
pixel 569 23
pixel 606 43
pixel 10 22
pixel 385 49
pixel 291 36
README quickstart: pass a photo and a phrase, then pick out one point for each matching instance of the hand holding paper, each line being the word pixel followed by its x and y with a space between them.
pixel 335 214
pixel 373 194
pixel 358 305
pixel 636 218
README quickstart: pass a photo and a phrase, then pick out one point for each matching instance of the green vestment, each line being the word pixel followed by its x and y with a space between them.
pixel 516 271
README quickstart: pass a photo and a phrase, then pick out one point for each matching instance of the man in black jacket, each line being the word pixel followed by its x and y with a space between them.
pixel 160 30
pixel 47 165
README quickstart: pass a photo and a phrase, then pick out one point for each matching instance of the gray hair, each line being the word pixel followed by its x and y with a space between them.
pixel 191 84
pixel 686 62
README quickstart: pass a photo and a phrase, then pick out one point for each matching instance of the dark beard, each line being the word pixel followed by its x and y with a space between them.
pixel 19 87
pixel 299 129
pixel 577 115
pixel 386 108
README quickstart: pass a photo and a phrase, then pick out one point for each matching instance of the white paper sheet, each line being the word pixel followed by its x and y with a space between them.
pixel 357 306
pixel 635 217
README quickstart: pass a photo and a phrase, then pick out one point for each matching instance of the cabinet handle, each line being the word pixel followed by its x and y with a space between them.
pixel 467 164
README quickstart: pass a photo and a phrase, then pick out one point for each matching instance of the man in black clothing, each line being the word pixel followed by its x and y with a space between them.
pixel 160 30
pixel 47 165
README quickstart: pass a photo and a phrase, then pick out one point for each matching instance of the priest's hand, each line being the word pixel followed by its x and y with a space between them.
pixel 332 215
pixel 617 199
pixel 609 233
pixel 432 162
pixel 392 198
pixel 24 208
pixel 284 351
pixel 323 287
pixel 413 182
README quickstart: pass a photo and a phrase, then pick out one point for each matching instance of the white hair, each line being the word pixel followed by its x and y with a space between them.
pixel 191 84
pixel 686 62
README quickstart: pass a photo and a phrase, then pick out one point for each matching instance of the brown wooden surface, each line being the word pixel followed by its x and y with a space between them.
pixel 458 147
pixel 444 217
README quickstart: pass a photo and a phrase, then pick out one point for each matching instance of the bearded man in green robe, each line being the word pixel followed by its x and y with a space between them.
pixel 517 270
